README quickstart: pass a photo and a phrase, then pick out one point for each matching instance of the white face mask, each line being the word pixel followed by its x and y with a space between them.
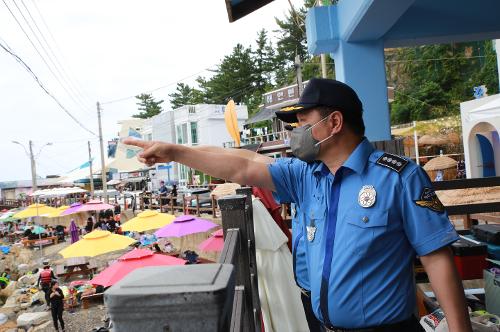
pixel 304 145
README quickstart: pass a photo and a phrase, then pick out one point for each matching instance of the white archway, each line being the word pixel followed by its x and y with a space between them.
pixel 476 162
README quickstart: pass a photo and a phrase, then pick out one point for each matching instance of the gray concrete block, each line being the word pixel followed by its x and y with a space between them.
pixel 173 298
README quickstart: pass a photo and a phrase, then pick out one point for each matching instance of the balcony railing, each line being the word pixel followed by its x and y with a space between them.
pixel 274 136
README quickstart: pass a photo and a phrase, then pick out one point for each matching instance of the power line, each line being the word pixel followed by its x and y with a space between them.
pixel 19 60
pixel 78 87
pixel 153 90
pixel 61 72
pixel 34 46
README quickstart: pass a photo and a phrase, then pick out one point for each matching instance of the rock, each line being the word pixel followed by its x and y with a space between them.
pixel 12 302
pixel 38 308
pixel 9 290
pixel 27 281
pixel 38 297
pixel 41 327
pixel 8 312
pixel 25 305
pixel 3 318
pixel 24 298
pixel 23 268
pixel 32 318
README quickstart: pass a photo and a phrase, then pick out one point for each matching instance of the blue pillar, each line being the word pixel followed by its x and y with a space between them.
pixel 361 65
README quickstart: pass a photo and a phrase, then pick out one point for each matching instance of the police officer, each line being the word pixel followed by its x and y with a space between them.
pixel 366 214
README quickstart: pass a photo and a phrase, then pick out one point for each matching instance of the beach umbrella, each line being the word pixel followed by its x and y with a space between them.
pixel 147 220
pixel 73 230
pixel 36 229
pixel 97 243
pixel 8 219
pixel 73 208
pixel 95 205
pixel 34 210
pixel 185 225
pixel 132 260
pixel 58 211
pixel 213 243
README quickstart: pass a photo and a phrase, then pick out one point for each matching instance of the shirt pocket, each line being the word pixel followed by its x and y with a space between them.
pixel 365 228
pixel 315 222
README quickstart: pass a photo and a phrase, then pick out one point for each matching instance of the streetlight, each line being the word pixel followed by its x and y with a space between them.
pixel 32 159
pixel 33 179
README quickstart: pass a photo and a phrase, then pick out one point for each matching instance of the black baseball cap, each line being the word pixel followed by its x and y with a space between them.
pixel 323 92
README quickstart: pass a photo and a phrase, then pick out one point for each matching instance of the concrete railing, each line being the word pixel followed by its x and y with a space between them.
pixel 203 297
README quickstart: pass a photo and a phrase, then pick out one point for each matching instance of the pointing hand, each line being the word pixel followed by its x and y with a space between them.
pixel 153 151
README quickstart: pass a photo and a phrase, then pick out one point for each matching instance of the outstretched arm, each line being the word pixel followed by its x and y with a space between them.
pixel 225 166
pixel 243 153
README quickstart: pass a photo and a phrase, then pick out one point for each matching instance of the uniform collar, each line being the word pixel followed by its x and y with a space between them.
pixel 356 161
pixel 358 158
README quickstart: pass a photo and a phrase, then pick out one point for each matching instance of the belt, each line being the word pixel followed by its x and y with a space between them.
pixel 404 325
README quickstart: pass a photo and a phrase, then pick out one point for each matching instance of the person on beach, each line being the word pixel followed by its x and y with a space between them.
pixel 45 279
pixel 57 305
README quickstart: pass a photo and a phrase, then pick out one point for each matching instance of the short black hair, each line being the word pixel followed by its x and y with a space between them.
pixel 354 120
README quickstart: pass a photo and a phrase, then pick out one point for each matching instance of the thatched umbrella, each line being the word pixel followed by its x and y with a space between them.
pixel 444 164
pixel 432 140
pixel 453 138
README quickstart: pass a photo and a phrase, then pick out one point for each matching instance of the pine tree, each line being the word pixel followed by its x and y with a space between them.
pixel 185 95
pixel 148 106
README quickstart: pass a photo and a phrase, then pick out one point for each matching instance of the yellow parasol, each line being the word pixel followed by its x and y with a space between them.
pixel 34 210
pixel 148 220
pixel 97 243
pixel 58 212
pixel 231 120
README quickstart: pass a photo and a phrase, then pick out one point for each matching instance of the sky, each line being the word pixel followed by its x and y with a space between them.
pixel 104 51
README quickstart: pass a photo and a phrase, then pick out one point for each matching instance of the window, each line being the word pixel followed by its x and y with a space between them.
pixel 192 109
pixel 181 131
pixel 194 133
pixel 179 134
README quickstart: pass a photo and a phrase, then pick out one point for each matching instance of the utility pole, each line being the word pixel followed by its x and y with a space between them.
pixel 322 56
pixel 33 168
pixel 415 139
pixel 298 68
pixel 91 173
pixel 103 166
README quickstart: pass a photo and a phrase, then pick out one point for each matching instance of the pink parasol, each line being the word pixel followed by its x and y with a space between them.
pixel 73 208
pixel 132 260
pixel 185 225
pixel 213 243
pixel 95 205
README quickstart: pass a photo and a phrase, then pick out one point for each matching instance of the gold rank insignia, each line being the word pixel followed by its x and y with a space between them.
pixel 429 199
pixel 291 108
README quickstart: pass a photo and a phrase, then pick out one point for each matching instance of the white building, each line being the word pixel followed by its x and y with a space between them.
pixel 480 130
pixel 191 125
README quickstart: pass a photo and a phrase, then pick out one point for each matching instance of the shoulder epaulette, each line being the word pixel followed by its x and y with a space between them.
pixel 392 161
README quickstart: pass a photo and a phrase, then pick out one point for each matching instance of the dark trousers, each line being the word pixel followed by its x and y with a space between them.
pixel 46 290
pixel 313 323
pixel 57 312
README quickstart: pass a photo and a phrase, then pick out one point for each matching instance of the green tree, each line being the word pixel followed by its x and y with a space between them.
pixel 263 59
pixel 431 81
pixel 185 95
pixel 233 78
pixel 148 106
